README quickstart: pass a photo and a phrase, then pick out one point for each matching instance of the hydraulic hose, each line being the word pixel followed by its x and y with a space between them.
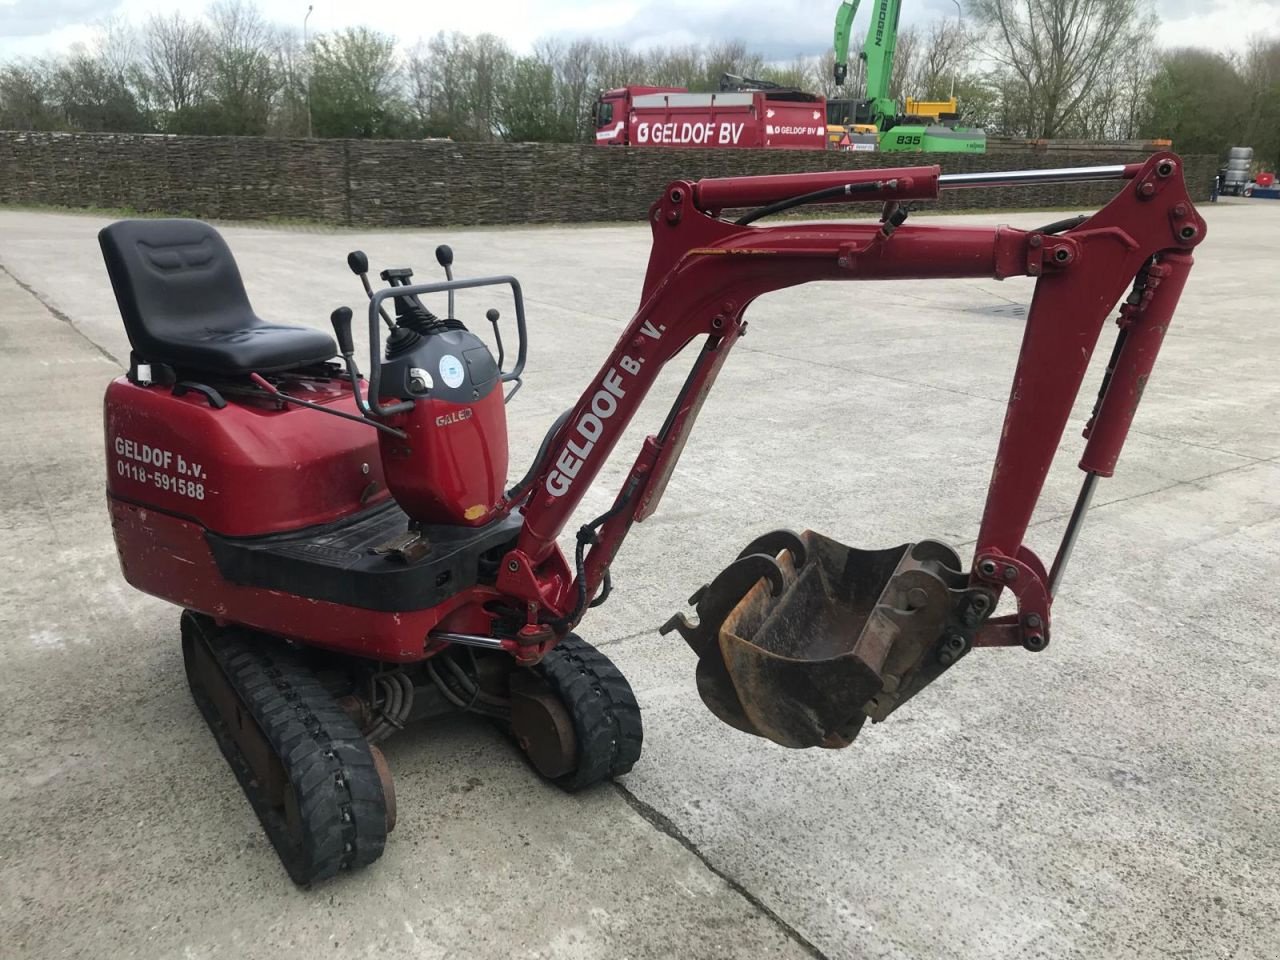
pixel 817 196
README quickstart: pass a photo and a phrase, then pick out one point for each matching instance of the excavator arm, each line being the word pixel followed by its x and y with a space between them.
pixel 878 52
pixel 802 639
pixel 844 26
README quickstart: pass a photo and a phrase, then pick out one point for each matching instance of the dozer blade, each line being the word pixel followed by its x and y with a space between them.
pixel 801 644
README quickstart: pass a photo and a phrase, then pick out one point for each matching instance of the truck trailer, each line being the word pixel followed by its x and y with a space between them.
pixel 778 118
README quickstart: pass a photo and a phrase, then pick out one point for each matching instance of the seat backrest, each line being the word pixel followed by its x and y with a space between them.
pixel 173 274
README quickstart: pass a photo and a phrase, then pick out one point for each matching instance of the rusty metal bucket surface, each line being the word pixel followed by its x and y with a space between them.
pixel 850 634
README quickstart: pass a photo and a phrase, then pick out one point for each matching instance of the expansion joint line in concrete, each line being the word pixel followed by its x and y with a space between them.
pixel 647 632
pixel 664 825
pixel 58 314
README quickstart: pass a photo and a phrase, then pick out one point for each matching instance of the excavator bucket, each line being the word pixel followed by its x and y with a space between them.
pixel 802 638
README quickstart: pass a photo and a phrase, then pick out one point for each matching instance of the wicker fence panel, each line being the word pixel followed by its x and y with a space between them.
pixel 431 183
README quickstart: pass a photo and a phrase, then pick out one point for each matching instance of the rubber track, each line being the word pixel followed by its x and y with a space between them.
pixel 606 717
pixel 330 770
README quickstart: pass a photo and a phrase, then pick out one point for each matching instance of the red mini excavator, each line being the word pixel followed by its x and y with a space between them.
pixel 351 559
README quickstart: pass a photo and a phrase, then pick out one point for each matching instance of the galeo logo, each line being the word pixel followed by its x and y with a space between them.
pixel 457 416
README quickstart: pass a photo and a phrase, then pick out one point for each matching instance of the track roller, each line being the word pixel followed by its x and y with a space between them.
pixel 575 717
pixel 323 794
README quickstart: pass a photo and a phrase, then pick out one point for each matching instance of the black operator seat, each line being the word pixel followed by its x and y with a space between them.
pixel 184 304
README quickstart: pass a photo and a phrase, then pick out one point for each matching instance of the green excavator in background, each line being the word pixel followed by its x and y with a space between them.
pixel 876 121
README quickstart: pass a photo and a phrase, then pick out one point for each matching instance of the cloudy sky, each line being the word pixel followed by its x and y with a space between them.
pixel 780 29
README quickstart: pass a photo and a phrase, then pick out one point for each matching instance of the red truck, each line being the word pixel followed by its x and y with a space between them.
pixel 779 118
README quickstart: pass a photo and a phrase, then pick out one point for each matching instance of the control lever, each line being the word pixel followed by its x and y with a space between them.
pixel 359 264
pixel 444 257
pixel 397 276
pixel 492 316
pixel 341 320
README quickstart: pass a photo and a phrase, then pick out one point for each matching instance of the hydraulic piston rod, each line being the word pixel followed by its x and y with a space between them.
pixel 1072 532
pixel 1014 178
pixel 469 640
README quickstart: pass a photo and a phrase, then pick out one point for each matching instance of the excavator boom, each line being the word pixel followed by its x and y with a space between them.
pixel 878 52
pixel 844 27
pixel 877 107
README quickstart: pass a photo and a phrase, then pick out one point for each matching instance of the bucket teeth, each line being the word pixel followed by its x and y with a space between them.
pixel 802 638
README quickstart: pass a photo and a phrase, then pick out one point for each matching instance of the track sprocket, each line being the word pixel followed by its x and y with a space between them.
pixel 607 733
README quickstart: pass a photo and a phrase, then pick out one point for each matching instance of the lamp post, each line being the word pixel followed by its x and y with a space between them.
pixel 960 26
pixel 306 52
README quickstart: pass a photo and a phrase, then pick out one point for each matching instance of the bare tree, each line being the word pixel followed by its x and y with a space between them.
pixel 457 85
pixel 904 60
pixel 175 52
pixel 729 57
pixel 1131 83
pixel 437 83
pixel 944 55
pixel 116 48
pixel 616 64
pixel 92 93
pixel 678 67
pixel 576 87
pixel 1060 52
pixel 798 73
pixel 420 82
pixel 824 81
pixel 243 79
pixel 491 64
pixel 291 65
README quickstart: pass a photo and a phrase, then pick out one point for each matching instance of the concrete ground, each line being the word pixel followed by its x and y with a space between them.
pixel 1111 797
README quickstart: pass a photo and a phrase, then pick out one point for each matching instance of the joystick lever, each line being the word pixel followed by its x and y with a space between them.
pixel 444 257
pixel 359 264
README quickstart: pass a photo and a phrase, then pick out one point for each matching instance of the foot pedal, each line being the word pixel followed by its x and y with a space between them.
pixel 409 547
pixel 802 638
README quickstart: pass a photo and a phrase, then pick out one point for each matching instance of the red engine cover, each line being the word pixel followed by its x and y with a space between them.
pixel 452 466
pixel 245 470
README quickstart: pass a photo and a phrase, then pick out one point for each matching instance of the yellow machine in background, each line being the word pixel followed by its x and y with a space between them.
pixel 844 134
pixel 935 110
